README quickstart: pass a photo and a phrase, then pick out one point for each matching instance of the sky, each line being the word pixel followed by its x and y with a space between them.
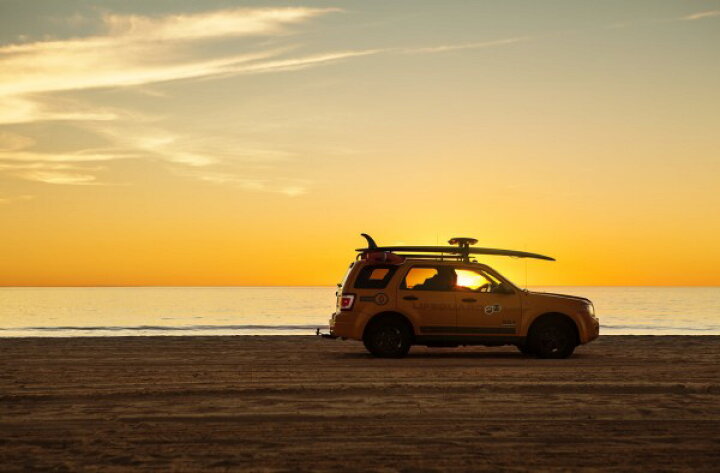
pixel 229 143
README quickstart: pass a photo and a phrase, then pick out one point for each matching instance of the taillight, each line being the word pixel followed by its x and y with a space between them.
pixel 347 301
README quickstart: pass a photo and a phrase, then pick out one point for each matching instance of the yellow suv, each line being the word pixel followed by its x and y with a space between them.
pixel 393 297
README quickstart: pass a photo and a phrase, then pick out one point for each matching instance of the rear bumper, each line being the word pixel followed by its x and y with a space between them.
pixel 342 330
pixel 342 324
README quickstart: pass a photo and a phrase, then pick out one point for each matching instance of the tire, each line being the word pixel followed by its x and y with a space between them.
pixel 552 338
pixel 525 349
pixel 388 339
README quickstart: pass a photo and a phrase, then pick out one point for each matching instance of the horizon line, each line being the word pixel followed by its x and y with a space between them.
pixel 325 286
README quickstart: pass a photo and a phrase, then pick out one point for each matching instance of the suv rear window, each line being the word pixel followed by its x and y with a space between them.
pixel 375 277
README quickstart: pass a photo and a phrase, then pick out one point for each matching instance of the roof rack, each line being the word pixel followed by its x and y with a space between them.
pixel 462 251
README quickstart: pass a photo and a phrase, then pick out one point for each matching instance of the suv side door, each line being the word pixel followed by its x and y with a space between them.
pixel 483 306
pixel 426 295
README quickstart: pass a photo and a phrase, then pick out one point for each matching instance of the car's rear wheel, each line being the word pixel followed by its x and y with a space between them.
pixel 388 339
pixel 553 338
pixel 525 349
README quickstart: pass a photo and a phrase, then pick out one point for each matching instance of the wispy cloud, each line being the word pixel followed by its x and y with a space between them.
pixel 82 156
pixel 18 159
pixel 220 160
pixel 13 141
pixel 463 46
pixel 151 50
pixel 701 15
pixel 25 109
pixel 126 30
pixel 296 63
pixel 52 172
pixel 218 23
pixel 86 69
pixel 186 148
pixel 654 21
pixel 136 50
pixel 58 177
pixel 16 149
pixel 285 186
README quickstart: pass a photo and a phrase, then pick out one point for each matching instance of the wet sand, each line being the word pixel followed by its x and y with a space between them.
pixel 302 403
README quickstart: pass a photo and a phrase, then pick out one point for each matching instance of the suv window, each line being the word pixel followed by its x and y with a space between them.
pixel 374 277
pixel 471 280
pixel 429 278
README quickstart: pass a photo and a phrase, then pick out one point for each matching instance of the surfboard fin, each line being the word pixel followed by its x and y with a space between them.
pixel 371 243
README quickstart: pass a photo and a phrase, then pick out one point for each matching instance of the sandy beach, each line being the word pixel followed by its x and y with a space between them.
pixel 623 403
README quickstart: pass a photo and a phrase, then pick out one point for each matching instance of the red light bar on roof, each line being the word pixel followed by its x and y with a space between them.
pixel 380 257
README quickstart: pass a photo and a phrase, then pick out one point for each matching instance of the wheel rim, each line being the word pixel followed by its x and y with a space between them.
pixel 388 340
pixel 552 340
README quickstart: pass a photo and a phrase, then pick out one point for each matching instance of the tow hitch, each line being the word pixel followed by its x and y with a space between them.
pixel 324 335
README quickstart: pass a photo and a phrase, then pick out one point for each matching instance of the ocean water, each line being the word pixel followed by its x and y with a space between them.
pixel 62 312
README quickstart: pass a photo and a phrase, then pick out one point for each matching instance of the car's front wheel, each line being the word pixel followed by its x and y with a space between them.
pixel 388 339
pixel 552 338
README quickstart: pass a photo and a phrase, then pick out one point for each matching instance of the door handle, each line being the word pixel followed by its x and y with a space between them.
pixel 469 300
pixel 410 298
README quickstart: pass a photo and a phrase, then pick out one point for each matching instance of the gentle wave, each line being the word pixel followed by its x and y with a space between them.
pixel 658 327
pixel 170 328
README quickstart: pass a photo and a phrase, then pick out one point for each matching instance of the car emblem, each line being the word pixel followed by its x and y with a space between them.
pixel 489 309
